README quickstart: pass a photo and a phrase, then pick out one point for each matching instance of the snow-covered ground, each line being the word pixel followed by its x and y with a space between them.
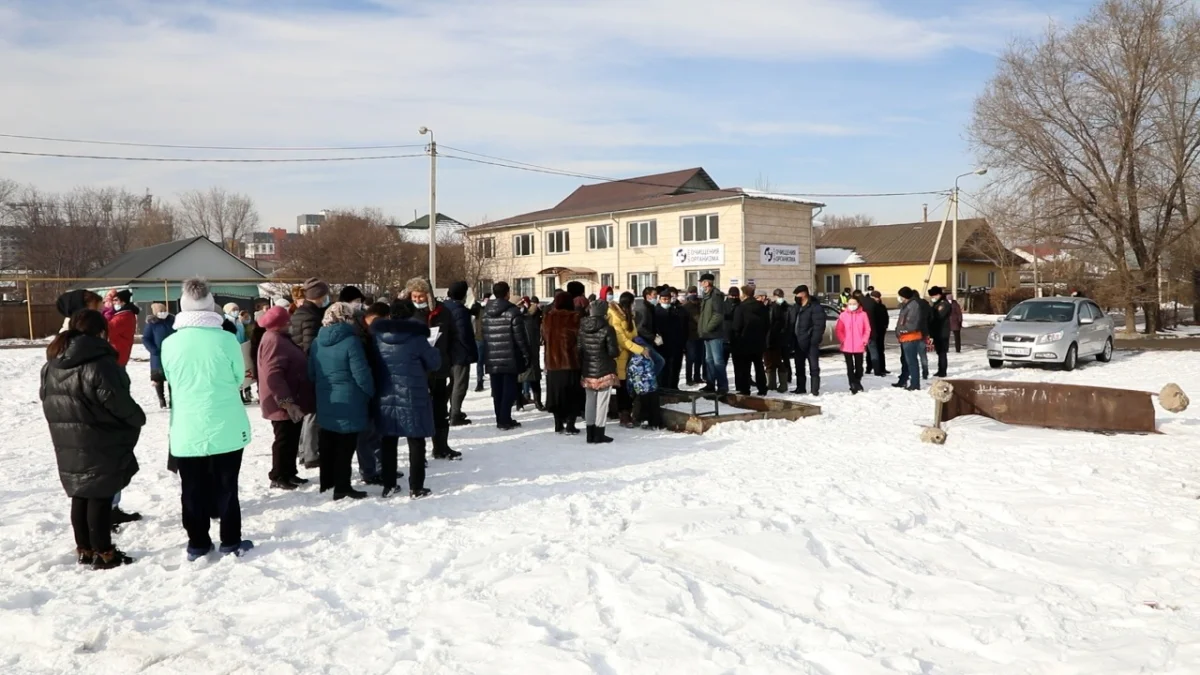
pixel 835 544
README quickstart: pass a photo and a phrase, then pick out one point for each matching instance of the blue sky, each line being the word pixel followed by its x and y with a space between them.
pixel 817 96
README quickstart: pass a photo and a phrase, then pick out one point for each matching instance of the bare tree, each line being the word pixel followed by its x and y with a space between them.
pixel 763 183
pixel 223 217
pixel 352 247
pixel 834 222
pixel 1105 116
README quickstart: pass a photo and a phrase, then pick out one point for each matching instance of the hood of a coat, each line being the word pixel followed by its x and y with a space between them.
pixel 331 335
pixel 82 349
pixel 497 307
pixel 593 324
pixel 70 302
pixel 396 331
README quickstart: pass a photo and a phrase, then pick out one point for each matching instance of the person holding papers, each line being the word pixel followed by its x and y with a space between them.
pixel 442 335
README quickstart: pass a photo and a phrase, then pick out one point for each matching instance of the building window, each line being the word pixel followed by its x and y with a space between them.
pixel 833 284
pixel 607 280
pixel 862 282
pixel 523 287
pixel 599 237
pixel 558 241
pixel 962 281
pixel 692 277
pixel 700 228
pixel 551 285
pixel 643 233
pixel 991 280
pixel 640 280
pixel 483 289
pixel 486 248
pixel 523 245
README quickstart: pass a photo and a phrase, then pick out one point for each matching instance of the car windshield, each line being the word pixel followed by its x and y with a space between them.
pixel 1042 312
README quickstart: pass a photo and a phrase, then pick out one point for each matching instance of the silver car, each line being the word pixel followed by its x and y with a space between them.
pixel 1052 331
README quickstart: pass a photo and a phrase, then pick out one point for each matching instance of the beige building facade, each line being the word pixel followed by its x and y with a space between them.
pixel 667 229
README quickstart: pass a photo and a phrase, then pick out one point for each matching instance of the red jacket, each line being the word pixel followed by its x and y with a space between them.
pixel 121 328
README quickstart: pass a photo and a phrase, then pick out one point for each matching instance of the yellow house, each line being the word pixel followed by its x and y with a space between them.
pixel 890 257
pixel 664 229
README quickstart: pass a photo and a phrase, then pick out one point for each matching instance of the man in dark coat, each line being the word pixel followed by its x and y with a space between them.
pixel 643 315
pixel 806 319
pixel 778 353
pixel 711 329
pixel 690 309
pixel 878 315
pixel 751 323
pixel 94 426
pixel 428 311
pixel 306 321
pixel 507 351
pixel 926 311
pixel 939 328
pixel 463 352
pixel 671 323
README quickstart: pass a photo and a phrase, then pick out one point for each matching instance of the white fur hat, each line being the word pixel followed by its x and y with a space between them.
pixel 196 297
pixel 283 302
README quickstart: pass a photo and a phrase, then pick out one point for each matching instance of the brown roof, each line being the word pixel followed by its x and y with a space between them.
pixel 663 189
pixel 913 242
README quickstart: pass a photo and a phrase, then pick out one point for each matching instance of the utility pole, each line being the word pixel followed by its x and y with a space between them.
pixel 954 233
pixel 432 207
pixel 924 213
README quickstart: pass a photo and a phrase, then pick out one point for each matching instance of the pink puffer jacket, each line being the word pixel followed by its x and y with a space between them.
pixel 853 331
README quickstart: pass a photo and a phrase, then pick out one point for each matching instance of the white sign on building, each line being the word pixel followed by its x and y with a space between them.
pixel 693 256
pixel 778 254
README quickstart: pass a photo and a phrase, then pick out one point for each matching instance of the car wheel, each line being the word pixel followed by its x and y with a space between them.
pixel 1072 359
pixel 1106 355
pixel 996 363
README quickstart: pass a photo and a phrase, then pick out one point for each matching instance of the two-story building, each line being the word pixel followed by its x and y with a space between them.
pixel 668 228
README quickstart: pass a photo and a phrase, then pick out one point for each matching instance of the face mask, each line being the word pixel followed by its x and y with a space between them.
pixel 162 315
pixel 357 304
pixel 665 302
pixel 704 292
pixel 420 305
pixel 325 301
pixel 852 307
pixel 691 296
pixel 117 306
pixel 246 322
pixel 779 301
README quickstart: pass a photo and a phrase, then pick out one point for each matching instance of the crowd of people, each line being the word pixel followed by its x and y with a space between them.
pixel 340 378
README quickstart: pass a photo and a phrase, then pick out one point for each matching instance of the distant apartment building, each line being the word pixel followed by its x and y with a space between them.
pixel 668 228
pixel 9 249
pixel 307 222
pixel 267 245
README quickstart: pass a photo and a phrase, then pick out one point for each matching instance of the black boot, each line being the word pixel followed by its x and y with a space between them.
pixel 85 556
pixel 120 517
pixel 571 429
pixel 558 423
pixel 600 437
pixel 816 385
pixel 591 433
pixel 106 560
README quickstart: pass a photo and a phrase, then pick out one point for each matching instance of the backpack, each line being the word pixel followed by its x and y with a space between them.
pixel 640 377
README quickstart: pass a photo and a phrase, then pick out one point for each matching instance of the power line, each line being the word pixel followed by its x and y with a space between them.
pixel 208 160
pixel 211 147
pixel 536 168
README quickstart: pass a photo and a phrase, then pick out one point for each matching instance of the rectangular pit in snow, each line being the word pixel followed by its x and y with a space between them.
pixel 695 412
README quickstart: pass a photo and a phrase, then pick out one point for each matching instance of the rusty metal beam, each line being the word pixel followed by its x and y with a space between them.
pixel 1053 406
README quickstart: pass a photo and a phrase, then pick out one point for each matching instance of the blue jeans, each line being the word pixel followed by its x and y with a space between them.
pixel 367 448
pixel 480 344
pixel 911 352
pixel 924 356
pixel 714 362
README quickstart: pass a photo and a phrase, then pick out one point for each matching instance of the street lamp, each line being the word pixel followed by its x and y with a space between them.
pixel 954 230
pixel 432 207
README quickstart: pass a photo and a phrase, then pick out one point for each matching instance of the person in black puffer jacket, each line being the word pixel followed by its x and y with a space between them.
pixel 598 350
pixel 507 351
pixel 94 425
pixel 751 323
pixel 806 321
pixel 428 311
pixel 306 320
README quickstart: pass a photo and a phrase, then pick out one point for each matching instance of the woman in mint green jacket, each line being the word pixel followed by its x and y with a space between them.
pixel 209 425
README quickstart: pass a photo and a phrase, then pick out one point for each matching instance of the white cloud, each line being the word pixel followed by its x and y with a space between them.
pixel 540 80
